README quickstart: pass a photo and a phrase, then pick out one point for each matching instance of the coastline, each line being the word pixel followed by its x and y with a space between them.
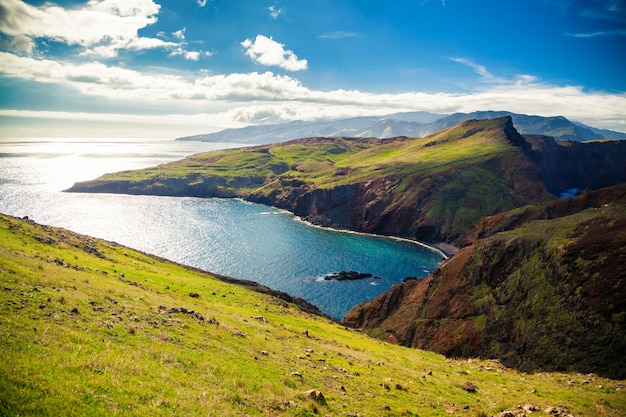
pixel 444 250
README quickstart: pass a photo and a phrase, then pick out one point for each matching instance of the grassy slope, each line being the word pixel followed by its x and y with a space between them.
pixel 316 161
pixel 86 329
pixel 445 181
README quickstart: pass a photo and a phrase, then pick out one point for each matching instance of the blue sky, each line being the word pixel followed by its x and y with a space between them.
pixel 168 68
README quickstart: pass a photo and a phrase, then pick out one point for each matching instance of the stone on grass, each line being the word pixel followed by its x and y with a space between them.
pixel 316 395
pixel 469 387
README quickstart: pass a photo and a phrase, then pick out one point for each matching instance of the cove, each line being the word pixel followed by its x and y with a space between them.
pixel 224 236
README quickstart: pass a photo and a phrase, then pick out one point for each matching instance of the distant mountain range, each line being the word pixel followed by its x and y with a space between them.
pixel 411 124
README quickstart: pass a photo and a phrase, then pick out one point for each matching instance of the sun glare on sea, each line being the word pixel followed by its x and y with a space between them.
pixel 60 162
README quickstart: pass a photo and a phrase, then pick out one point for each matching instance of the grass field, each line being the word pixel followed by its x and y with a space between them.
pixel 92 328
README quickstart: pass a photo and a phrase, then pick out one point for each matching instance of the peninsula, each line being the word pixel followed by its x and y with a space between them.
pixel 480 186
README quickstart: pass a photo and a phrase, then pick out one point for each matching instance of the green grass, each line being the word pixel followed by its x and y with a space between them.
pixel 316 161
pixel 86 328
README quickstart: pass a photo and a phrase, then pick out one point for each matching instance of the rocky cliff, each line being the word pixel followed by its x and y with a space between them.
pixel 433 189
pixel 540 289
pixel 583 165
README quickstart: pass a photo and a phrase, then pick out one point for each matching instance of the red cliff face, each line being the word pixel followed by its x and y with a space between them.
pixel 548 294
pixel 435 313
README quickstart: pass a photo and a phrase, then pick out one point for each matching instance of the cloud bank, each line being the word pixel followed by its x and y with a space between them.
pixel 250 97
pixel 102 28
pixel 99 28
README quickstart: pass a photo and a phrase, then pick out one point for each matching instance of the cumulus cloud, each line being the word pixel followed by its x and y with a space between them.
pixel 101 27
pixel 266 51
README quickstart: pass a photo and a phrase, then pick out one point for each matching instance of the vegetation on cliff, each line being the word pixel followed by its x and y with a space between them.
pixel 431 188
pixel 93 328
pixel 435 187
pixel 541 288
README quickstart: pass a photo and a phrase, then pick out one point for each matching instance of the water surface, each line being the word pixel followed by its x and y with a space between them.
pixel 226 236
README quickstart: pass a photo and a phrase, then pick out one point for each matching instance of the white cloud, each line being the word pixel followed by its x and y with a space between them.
pixel 22 44
pixel 102 27
pixel 180 49
pixel 479 69
pixel 202 3
pixel 266 51
pixel 275 12
pixel 192 55
pixel 252 97
pixel 617 32
pixel 179 34
pixel 340 34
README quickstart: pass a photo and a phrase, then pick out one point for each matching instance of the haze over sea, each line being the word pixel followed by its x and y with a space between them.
pixel 230 237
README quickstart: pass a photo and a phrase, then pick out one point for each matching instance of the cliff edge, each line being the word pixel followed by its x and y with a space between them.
pixel 541 288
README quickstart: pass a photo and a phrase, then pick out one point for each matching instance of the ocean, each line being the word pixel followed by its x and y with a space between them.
pixel 225 236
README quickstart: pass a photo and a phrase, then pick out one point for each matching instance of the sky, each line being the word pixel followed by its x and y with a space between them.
pixel 172 68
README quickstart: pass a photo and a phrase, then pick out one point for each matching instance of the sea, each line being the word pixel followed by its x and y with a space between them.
pixel 225 236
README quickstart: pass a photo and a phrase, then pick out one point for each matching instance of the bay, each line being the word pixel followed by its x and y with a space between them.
pixel 225 236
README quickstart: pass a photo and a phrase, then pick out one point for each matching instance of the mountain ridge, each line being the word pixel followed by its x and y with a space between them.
pixel 412 124
pixel 367 185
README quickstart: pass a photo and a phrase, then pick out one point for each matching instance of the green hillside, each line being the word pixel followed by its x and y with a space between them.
pixel 432 188
pixel 91 328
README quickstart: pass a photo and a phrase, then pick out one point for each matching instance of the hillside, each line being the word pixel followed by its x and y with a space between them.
pixel 540 288
pixel 92 328
pixel 434 188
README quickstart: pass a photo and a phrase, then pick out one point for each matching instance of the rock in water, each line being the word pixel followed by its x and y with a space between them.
pixel 346 276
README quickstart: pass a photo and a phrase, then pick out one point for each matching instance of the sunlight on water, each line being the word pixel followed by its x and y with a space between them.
pixel 230 237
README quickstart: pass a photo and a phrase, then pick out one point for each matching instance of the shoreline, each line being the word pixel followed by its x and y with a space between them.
pixel 444 250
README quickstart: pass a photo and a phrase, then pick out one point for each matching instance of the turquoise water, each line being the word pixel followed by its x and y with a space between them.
pixel 230 237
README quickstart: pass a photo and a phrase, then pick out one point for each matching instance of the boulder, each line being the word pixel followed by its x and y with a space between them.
pixel 316 395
